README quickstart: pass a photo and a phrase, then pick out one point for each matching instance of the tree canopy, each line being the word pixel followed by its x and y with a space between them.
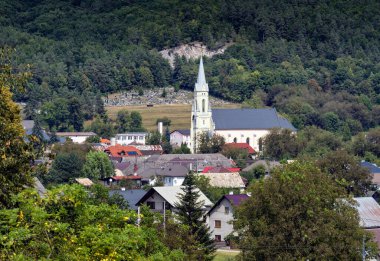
pixel 299 212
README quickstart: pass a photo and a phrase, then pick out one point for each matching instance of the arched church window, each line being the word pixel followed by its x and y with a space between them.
pixel 247 140
pixel 235 140
pixel 203 105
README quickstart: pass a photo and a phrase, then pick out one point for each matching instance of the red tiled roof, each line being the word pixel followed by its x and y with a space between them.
pixel 245 146
pixel 122 151
pixel 105 141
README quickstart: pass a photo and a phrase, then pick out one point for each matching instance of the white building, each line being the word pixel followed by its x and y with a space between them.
pixel 160 198
pixel 235 125
pixel 76 137
pixel 179 137
pixel 220 216
pixel 129 137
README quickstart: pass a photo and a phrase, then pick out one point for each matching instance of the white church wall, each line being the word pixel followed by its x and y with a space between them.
pixel 242 135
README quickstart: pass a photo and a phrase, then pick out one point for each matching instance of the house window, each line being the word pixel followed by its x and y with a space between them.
pixel 218 238
pixel 123 138
pixel 203 105
pixel 218 224
pixel 141 137
pixel 151 204
pixel 229 135
pixel 203 122
pixel 247 140
pixel 235 140
pixel 129 137
pixel 226 210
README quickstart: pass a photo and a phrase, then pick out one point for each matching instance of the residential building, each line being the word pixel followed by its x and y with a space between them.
pixel 122 151
pixel 225 180
pixel 129 137
pixel 179 137
pixel 369 214
pixel 132 196
pixel 170 174
pixel 220 216
pixel 76 137
pixel 374 170
pixel 166 198
pixel 235 125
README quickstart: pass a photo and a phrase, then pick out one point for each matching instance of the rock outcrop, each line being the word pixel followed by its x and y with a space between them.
pixel 191 51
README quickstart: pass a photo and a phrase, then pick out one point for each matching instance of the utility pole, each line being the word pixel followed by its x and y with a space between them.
pixel 138 217
pixel 164 218
pixel 363 250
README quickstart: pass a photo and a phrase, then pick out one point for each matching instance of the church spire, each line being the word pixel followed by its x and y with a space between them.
pixel 201 85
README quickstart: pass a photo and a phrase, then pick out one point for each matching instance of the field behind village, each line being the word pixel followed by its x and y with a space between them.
pixel 179 114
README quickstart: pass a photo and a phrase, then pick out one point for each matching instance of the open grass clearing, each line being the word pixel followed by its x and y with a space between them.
pixel 179 114
pixel 225 255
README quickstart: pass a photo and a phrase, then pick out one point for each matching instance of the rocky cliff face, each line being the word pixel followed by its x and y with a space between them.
pixel 191 51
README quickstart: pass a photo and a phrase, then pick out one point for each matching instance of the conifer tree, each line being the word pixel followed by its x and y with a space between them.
pixel 190 213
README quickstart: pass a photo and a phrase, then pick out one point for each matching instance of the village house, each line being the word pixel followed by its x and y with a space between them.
pixel 220 216
pixel 129 137
pixel 132 196
pixel 169 174
pixel 122 151
pixel 179 137
pixel 76 137
pixel 165 198
pixel 225 180
pixel 374 170
pixel 369 214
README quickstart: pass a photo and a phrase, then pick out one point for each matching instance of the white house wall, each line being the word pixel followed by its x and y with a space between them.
pixel 218 213
pixel 176 139
pixel 242 135
pixel 78 139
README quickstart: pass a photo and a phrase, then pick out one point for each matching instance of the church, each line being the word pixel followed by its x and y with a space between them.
pixel 235 125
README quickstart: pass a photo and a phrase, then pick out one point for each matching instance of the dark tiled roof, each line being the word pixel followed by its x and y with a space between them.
pixel 183 132
pixel 245 119
pixel 372 167
pixel 131 196
pixel 236 199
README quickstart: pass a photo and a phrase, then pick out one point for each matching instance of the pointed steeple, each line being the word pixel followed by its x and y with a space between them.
pixel 201 85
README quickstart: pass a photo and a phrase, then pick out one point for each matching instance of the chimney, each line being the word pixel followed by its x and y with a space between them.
pixel 160 127
pixel 113 141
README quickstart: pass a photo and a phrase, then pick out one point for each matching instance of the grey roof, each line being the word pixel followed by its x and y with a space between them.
pixel 132 196
pixel 266 163
pixel 183 132
pixel 201 85
pixel 78 133
pixel 225 180
pixel 170 194
pixel 373 168
pixel 39 187
pixel 28 124
pixel 369 212
pixel 247 119
pixel 166 170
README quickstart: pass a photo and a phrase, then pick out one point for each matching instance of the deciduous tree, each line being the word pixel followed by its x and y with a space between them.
pixel 299 213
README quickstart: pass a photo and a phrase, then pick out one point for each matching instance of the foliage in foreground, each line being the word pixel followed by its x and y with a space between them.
pixel 65 226
pixel 15 153
pixel 300 213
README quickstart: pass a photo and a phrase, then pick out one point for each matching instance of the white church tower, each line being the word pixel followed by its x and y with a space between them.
pixel 201 117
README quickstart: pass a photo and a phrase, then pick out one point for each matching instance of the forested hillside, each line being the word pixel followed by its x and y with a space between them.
pixel 318 62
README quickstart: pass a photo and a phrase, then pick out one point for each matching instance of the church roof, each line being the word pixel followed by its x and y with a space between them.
pixel 201 85
pixel 246 119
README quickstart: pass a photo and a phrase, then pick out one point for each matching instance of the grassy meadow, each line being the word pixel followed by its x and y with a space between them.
pixel 179 114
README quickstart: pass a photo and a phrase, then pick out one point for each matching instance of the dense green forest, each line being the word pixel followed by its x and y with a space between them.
pixel 317 62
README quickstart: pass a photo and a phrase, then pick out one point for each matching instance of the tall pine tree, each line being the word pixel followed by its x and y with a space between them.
pixel 190 213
